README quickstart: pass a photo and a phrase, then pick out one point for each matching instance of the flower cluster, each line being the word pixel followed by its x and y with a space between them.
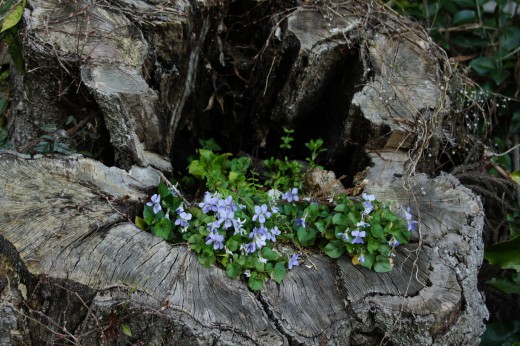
pixel 250 232
pixel 372 232
pixel 223 210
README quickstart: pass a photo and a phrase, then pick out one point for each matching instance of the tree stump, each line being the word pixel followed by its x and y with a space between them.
pixel 155 78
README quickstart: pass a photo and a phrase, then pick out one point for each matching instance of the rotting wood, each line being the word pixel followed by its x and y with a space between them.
pixel 81 239
pixel 373 93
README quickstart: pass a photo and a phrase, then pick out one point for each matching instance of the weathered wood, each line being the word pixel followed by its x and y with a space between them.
pixel 82 244
pixel 78 269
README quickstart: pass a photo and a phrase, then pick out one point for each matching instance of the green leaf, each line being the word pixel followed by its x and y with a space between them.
pixel 482 65
pixel 339 219
pixel 5 6
pixel 369 261
pixel 268 253
pixel 377 231
pixel 234 270
pixel 4 102
pixel 464 16
pixel 163 228
pixel 340 207
pixel 515 176
pixel 505 254
pixel 4 138
pixel 306 236
pixel 382 265
pixel 515 122
pixel 139 222
pixel 149 215
pixel 232 244
pixel 335 248
pixel 279 272
pixel 373 245
pixel 499 75
pixel 384 249
pixel 209 144
pixel 196 243
pixel 14 17
pixel 126 330
pixel 197 169
pixel 320 227
pixel 233 176
pixel 501 334
pixel 163 190
pixel 256 282
pixel 12 39
pixel 207 258
pixel 505 285
pixel 390 216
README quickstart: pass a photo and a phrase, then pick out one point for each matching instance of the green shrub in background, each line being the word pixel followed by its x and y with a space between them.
pixel 483 38
pixel 10 15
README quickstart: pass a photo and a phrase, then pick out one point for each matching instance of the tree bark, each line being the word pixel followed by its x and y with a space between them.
pixel 158 77
pixel 84 270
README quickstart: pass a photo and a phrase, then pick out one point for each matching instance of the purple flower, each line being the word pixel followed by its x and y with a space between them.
pixel 227 205
pixel 183 219
pixel 261 213
pixel 409 220
pixel 361 258
pixel 209 203
pixel 369 198
pixel 291 195
pixel 239 226
pixel 293 260
pixel 368 207
pixel 301 222
pixel 215 239
pixel 343 236
pixel 156 203
pixel 259 236
pixel 213 225
pixel 226 218
pixel 393 242
pixel 250 247
pixel 261 231
pixel 273 232
pixel 358 236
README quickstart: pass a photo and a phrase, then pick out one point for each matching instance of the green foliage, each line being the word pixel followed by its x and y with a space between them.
pixel 315 146
pixel 506 254
pixel 126 330
pixel 287 139
pixel 10 15
pixel 505 334
pixel 247 226
pixel 54 141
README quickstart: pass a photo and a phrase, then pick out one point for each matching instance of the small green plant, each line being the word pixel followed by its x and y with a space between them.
pixel 315 146
pixel 53 141
pixel 253 229
pixel 287 139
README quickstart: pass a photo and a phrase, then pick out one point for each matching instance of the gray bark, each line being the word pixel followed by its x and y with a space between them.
pixel 78 270
pixel 81 266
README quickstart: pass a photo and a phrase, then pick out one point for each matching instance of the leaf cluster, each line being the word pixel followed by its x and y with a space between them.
pixel 249 227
